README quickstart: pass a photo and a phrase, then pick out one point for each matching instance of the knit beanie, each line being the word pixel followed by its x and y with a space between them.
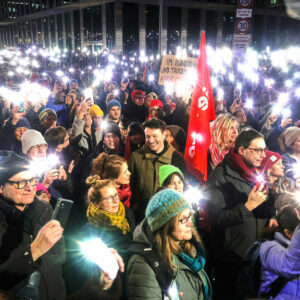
pixel 112 128
pixel 10 165
pixel 45 113
pixel 23 122
pixel 135 128
pixel 165 171
pixel 73 80
pixel 290 135
pixel 270 159
pixel 113 103
pixel 95 111
pixel 136 92
pixel 156 102
pixel 163 206
pixel 30 139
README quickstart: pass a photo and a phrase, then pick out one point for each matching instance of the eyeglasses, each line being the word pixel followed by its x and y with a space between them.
pixel 186 219
pixel 259 151
pixel 22 183
pixel 110 199
pixel 37 147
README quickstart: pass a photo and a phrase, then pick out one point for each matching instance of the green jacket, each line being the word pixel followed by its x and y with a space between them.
pixel 144 167
pixel 141 282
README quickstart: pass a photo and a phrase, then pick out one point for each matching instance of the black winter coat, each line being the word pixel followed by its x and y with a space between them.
pixel 17 231
pixel 234 227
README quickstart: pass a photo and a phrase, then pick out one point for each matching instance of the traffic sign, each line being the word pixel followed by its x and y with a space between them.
pixel 242 25
pixel 244 13
pixel 245 3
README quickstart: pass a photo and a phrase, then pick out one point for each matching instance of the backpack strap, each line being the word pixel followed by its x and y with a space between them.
pixel 163 276
pixel 275 287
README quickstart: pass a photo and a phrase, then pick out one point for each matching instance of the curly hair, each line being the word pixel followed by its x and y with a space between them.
pixel 94 194
pixel 107 166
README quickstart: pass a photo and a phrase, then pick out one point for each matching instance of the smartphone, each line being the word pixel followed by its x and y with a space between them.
pixel 62 211
pixel 21 107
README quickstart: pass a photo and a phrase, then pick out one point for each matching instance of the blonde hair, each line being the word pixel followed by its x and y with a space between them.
pixel 107 166
pixel 166 245
pixel 219 127
pixel 94 194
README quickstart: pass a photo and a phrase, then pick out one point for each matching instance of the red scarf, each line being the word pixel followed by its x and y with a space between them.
pixel 239 165
pixel 217 154
pixel 125 194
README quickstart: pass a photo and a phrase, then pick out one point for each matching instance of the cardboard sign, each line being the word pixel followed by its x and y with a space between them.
pixel 173 69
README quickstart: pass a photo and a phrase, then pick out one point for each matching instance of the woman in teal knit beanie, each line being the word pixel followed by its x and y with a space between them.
pixel 169 234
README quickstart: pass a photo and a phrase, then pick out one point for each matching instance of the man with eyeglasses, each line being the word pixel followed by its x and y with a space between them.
pixel 238 208
pixel 29 239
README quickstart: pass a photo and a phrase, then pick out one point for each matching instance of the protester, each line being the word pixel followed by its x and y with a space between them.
pixel 172 178
pixel 279 255
pixel 176 137
pixel 179 255
pixel 114 168
pixel 30 240
pixel 112 141
pixel 144 165
pixel 48 119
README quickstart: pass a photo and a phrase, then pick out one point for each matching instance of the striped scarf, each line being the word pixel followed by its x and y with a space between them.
pixel 108 221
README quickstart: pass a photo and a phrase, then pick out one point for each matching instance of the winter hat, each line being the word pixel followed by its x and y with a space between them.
pixel 179 135
pixel 156 102
pixel 136 92
pixel 73 80
pixel 30 139
pixel 95 111
pixel 163 206
pixel 113 103
pixel 11 164
pixel 23 122
pixel 290 135
pixel 112 128
pixel 45 113
pixel 165 171
pixel 41 187
pixel 270 159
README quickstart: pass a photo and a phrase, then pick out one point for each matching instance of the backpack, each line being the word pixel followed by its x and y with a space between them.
pixel 248 279
pixel 163 276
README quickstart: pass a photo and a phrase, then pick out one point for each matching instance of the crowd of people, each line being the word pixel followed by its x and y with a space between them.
pixel 120 158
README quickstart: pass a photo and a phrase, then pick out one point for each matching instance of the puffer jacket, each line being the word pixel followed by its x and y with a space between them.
pixel 234 227
pixel 141 281
pixel 280 257
pixel 16 264
pixel 144 167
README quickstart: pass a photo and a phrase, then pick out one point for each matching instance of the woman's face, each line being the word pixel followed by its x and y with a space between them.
pixel 87 120
pixel 110 199
pixel 19 132
pixel 232 133
pixel 169 136
pixel 277 169
pixel 176 184
pixel 296 145
pixel 124 177
pixel 183 227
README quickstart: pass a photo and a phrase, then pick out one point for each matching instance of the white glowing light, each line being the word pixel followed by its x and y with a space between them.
pixel 260 178
pixel 231 77
pixel 220 94
pixel 71 70
pixel 41 165
pixel 151 77
pixel 169 88
pixel 283 98
pixel 88 93
pixel 173 291
pixel 269 82
pixel 288 83
pixel 297 92
pixel 65 79
pixel 59 73
pixel 249 104
pixel 296 170
pixel 286 113
pixel 125 74
pixel 103 124
pixel 116 92
pixel 193 195
pixel 96 251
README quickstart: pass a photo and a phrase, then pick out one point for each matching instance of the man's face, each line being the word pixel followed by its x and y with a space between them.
pixel 139 99
pixel 21 197
pixel 254 154
pixel 115 113
pixel 37 151
pixel 155 139
pixel 73 86
pixel 112 141
pixel 19 132
pixel 50 121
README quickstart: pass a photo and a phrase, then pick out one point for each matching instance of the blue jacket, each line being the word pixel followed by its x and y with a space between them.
pixel 281 257
pixel 61 111
pixel 288 161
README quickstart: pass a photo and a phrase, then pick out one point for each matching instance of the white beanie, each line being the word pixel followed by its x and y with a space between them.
pixel 31 138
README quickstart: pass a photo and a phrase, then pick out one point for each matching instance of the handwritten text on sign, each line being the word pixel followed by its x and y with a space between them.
pixel 173 68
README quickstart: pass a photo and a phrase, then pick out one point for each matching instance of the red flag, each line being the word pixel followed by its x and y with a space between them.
pixel 202 112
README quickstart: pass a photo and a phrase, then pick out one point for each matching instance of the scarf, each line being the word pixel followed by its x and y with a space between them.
pixel 108 221
pixel 217 154
pixel 125 194
pixel 197 265
pixel 239 165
